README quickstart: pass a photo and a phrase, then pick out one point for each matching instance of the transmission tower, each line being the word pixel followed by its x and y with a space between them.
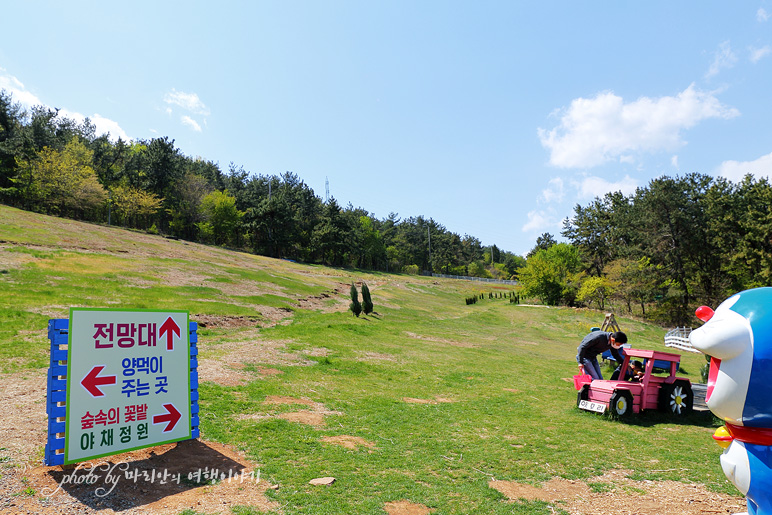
pixel 326 190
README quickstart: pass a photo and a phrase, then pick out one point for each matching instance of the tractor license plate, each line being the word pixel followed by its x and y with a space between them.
pixel 592 406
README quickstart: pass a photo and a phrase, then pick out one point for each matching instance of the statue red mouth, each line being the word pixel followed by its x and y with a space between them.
pixel 715 364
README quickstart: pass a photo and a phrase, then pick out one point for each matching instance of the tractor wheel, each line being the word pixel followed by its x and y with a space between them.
pixel 583 394
pixel 621 403
pixel 676 399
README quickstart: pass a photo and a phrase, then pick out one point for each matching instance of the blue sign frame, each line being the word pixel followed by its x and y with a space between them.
pixel 56 395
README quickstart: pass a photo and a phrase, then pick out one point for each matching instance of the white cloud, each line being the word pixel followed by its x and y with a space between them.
pixel 674 162
pixel 736 170
pixel 758 53
pixel 722 59
pixel 593 131
pixel 591 187
pixel 28 99
pixel 187 101
pixel 190 122
pixel 554 191
pixel 20 94
pixel 539 221
pixel 762 15
pixel 103 125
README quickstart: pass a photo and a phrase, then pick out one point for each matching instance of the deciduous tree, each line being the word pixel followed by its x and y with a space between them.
pixel 595 290
pixel 222 220
pixel 63 182
pixel 549 274
pixel 134 206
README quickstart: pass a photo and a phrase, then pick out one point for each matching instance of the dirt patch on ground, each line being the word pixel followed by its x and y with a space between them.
pixel 218 322
pixel 281 399
pixel 224 374
pixel 12 260
pixel 23 416
pixel 349 442
pixel 305 417
pixel 317 352
pixel 615 494
pixel 314 416
pixel 269 317
pixel 436 400
pixel 376 356
pixel 52 311
pixel 268 372
pixel 413 400
pixel 328 301
pixel 435 339
pixel 193 474
pixel 235 363
pixel 201 276
pixel 406 508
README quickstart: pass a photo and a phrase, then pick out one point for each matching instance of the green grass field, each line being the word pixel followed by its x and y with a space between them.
pixel 494 377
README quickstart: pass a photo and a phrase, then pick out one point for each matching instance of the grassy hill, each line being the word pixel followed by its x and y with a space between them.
pixel 428 400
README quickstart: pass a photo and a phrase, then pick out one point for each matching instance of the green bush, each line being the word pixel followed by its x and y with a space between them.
pixel 457 270
pixel 367 302
pixel 355 306
pixel 410 269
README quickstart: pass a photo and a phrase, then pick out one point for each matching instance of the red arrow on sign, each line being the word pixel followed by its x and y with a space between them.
pixel 170 328
pixel 171 417
pixel 92 383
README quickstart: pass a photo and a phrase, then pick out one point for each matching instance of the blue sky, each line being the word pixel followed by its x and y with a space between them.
pixel 493 118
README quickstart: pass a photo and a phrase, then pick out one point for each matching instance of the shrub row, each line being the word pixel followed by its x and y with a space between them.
pixel 512 296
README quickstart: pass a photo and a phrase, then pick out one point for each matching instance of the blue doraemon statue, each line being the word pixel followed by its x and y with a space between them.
pixel 738 338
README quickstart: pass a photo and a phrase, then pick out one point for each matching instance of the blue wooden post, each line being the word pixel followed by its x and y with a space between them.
pixel 56 391
pixel 193 379
pixel 58 334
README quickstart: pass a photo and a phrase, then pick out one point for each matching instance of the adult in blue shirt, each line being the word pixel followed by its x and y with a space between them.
pixel 596 343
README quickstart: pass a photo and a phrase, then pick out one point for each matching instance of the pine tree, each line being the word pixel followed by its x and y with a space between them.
pixel 355 306
pixel 367 302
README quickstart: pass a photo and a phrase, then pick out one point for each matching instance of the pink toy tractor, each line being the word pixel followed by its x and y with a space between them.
pixel 622 397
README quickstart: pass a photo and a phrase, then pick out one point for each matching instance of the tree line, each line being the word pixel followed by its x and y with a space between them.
pixel 676 244
pixel 54 165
